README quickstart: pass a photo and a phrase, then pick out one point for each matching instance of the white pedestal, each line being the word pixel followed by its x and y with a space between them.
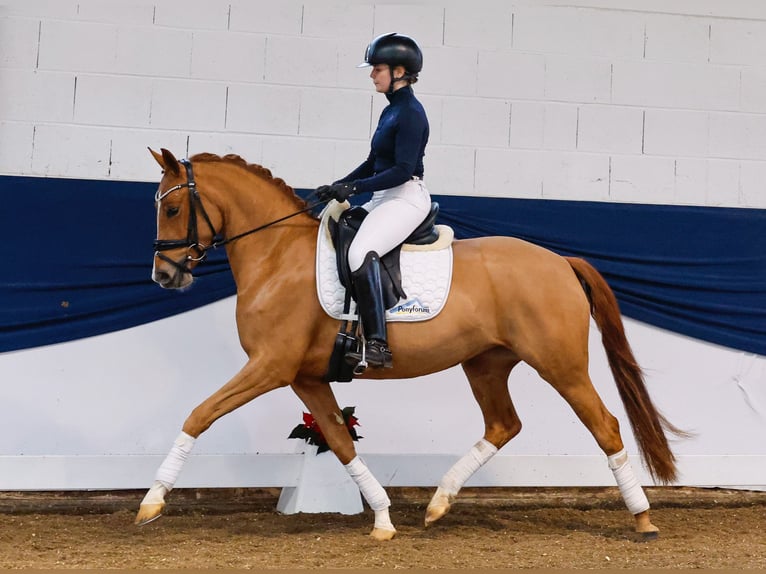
pixel 323 486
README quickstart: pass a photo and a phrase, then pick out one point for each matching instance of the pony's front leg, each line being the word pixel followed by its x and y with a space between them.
pixel 253 380
pixel 319 399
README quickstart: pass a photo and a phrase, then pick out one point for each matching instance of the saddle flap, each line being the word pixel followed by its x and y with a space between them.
pixel 342 233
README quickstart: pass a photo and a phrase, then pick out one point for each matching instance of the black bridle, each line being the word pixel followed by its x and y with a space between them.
pixel 196 251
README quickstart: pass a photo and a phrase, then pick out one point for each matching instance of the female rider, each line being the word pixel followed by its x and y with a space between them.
pixel 393 171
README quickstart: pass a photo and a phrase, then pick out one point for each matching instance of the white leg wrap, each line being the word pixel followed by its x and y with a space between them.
pixel 174 462
pixel 463 469
pixel 630 488
pixel 156 494
pixel 372 492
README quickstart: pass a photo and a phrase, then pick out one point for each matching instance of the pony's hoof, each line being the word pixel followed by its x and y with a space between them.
pixel 382 534
pixel 434 513
pixel 438 507
pixel 148 513
pixel 645 530
pixel 648 536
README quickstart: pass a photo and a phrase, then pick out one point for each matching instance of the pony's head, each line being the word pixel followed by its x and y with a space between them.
pixel 184 228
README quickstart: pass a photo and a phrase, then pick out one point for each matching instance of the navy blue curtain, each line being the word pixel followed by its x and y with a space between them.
pixel 78 259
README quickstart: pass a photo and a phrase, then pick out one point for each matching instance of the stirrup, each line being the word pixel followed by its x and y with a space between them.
pixel 362 365
pixel 359 359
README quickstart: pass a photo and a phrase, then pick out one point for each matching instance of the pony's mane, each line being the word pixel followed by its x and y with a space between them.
pixel 258 170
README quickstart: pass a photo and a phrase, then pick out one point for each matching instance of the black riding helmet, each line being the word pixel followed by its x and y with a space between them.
pixel 395 50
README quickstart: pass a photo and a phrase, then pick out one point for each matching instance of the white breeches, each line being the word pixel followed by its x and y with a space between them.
pixel 393 214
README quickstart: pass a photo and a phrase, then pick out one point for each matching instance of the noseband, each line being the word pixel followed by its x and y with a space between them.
pixel 195 250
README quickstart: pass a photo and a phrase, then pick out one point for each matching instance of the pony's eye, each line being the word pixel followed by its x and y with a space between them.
pixel 171 211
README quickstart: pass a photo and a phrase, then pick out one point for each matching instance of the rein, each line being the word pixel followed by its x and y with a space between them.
pixel 196 251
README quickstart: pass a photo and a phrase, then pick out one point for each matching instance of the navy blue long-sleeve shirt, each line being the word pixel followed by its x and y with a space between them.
pixel 398 145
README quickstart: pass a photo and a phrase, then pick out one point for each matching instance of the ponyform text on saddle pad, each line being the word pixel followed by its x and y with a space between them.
pixel 426 275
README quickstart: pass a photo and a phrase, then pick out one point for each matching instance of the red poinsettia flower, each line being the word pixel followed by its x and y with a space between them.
pixel 312 434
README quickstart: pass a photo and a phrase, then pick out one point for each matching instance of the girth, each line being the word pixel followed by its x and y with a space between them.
pixel 343 232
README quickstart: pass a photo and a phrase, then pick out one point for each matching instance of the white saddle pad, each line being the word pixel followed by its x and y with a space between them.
pixel 426 274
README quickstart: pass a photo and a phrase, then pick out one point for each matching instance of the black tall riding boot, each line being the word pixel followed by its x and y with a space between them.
pixel 369 301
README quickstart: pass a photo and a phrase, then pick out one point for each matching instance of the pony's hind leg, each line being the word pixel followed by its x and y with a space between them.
pixel 488 376
pixel 579 392
pixel 319 399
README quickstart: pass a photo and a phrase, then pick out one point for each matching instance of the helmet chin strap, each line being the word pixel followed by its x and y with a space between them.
pixel 394 80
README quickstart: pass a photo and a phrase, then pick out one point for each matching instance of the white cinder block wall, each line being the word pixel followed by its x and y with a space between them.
pixel 651 102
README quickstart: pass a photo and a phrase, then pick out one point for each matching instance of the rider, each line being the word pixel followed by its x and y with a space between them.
pixel 393 171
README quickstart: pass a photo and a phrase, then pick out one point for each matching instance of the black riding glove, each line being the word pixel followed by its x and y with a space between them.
pixel 338 191
pixel 323 193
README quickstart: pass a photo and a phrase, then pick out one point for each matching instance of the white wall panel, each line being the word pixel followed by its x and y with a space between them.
pixel 569 175
pixel 691 181
pixel 466 25
pixel 267 17
pixel 671 85
pixel 723 183
pixel 247 56
pixel 449 71
pixel 752 176
pixel 16 141
pixel 753 90
pixel 18 42
pixel 113 100
pixel 140 13
pixel 338 20
pixel 301 61
pixel 740 42
pixel 527 125
pixel 578 32
pixel 227 56
pixel 204 15
pixel 676 133
pixel 610 129
pixel 479 122
pixel 334 113
pixel 577 79
pixel 449 169
pixel 263 109
pixel 155 51
pixel 70 46
pixel 677 39
pixel 32 96
pixel 301 162
pixel 188 105
pixel 53 144
pixel 642 179
pixel 738 136
pixel 511 75
pixel 560 126
pixel 509 173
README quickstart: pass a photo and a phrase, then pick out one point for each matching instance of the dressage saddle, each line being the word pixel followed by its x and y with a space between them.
pixel 343 232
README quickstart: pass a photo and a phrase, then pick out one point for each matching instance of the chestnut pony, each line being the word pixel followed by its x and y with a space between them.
pixel 510 301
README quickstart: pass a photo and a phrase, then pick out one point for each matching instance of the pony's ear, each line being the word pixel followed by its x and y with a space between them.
pixel 167 161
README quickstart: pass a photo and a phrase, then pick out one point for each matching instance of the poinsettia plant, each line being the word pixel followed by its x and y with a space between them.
pixel 312 434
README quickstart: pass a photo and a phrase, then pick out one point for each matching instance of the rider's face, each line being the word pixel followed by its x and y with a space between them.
pixel 381 77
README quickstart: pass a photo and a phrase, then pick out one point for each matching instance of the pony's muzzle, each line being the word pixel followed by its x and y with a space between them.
pixel 171 274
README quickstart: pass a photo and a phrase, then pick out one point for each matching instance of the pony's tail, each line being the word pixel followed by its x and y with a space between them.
pixel 647 423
